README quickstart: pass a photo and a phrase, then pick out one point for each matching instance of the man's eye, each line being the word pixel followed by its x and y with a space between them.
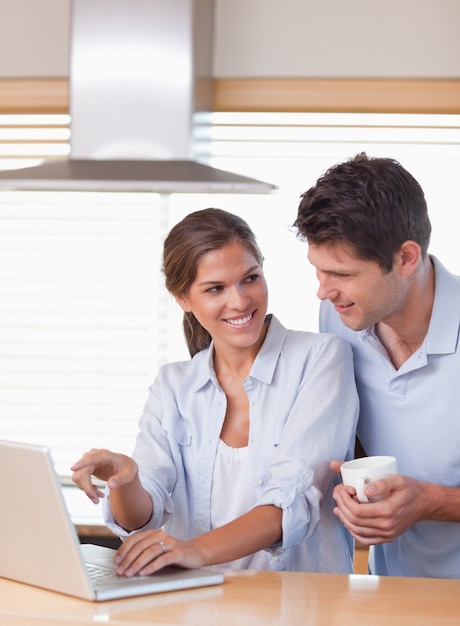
pixel 252 278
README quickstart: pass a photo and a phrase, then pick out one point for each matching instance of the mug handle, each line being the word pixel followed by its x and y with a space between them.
pixel 359 486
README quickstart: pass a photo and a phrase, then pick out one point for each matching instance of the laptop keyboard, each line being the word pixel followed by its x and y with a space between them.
pixel 98 575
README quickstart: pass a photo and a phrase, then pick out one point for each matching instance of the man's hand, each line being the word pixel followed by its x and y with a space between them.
pixel 402 502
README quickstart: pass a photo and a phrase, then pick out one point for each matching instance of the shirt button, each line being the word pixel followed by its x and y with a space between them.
pixel 258 481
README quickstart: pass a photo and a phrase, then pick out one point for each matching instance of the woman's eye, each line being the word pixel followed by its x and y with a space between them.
pixel 214 289
pixel 252 278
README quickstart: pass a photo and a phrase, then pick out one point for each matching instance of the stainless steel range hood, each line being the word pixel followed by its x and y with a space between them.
pixel 140 77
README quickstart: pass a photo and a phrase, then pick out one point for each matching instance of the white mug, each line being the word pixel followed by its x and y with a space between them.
pixel 361 472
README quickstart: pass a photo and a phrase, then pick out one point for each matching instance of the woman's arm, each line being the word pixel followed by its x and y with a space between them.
pixel 148 551
pixel 131 505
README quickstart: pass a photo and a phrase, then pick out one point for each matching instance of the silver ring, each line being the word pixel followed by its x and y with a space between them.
pixel 162 544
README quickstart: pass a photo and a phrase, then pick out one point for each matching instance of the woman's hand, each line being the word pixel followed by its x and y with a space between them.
pixel 116 469
pixel 148 551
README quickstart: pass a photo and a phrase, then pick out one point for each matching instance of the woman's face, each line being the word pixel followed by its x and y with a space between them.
pixel 229 297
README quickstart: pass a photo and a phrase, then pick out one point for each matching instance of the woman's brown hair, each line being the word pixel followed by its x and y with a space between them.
pixel 198 233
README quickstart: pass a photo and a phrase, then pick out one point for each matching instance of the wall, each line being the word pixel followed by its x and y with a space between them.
pixel 334 38
pixel 34 38
pixel 263 38
pixel 305 38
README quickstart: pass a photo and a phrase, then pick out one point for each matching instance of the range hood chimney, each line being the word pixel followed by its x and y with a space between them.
pixel 141 71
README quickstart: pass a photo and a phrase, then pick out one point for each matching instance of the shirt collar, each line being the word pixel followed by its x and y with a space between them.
pixel 442 335
pixel 204 367
pixel 444 325
pixel 264 366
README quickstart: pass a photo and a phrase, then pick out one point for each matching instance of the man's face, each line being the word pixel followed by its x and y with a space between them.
pixel 359 290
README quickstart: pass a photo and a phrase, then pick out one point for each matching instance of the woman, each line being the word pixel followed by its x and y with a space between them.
pixel 231 463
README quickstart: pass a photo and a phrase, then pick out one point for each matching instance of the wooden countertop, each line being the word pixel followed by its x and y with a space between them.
pixel 255 598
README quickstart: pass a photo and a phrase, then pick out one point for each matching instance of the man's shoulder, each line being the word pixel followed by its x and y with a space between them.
pixel 447 283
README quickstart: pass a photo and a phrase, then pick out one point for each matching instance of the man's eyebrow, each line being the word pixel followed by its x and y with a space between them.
pixel 337 272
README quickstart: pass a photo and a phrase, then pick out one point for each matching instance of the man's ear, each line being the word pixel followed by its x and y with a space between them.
pixel 183 302
pixel 409 257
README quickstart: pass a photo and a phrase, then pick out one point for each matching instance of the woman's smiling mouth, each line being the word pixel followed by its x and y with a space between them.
pixel 241 320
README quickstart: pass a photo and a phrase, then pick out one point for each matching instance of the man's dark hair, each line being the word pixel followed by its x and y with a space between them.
pixel 371 204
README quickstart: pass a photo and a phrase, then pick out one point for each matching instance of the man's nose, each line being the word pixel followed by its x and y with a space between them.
pixel 326 290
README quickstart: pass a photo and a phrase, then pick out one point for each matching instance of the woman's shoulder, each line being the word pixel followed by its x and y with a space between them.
pixel 313 339
pixel 186 371
pixel 298 346
pixel 310 338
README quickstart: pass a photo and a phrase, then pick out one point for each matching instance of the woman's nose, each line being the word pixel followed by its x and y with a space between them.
pixel 239 298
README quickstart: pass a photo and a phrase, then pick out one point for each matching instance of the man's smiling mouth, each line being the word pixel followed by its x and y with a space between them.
pixel 343 307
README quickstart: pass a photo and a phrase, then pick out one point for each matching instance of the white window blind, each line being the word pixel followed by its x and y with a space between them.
pixel 79 319
pixel 84 318
pixel 28 140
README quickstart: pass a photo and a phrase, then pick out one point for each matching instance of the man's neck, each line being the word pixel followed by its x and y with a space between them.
pixel 404 333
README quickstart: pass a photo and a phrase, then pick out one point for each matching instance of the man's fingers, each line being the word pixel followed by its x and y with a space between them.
pixel 335 466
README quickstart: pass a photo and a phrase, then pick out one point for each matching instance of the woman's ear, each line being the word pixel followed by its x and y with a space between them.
pixel 183 302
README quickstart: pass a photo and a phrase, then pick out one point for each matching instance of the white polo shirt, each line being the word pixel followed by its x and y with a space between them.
pixel 414 414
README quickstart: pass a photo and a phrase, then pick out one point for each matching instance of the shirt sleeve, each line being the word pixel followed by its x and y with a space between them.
pixel 318 427
pixel 155 459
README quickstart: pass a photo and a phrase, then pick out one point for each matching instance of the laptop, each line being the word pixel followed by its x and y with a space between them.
pixel 39 544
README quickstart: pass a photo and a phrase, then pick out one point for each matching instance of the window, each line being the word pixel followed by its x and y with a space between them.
pixel 85 321
pixel 28 140
pixel 79 331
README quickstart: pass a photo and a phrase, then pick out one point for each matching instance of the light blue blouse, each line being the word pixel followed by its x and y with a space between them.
pixel 303 413
pixel 414 414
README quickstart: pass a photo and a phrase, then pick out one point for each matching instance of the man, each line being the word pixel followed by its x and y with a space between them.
pixel 367 227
